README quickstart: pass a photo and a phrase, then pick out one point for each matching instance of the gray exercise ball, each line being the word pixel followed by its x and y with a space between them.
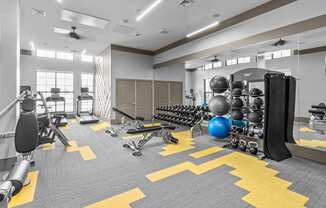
pixel 219 105
pixel 219 84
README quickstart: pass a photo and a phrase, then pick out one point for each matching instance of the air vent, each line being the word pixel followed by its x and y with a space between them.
pixel 122 29
pixel 186 3
pixel 26 52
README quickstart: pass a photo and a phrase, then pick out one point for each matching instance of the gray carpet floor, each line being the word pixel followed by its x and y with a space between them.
pixel 67 181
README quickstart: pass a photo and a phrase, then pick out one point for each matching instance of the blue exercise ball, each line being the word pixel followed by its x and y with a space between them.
pixel 219 127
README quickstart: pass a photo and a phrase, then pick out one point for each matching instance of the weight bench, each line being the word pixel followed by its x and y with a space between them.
pixel 148 134
pixel 317 121
pixel 137 122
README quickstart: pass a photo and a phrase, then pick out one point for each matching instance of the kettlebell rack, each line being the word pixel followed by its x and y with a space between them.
pixel 260 113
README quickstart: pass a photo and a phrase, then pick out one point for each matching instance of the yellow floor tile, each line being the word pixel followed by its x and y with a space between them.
pixel 87 153
pixel 206 152
pixel 311 143
pixel 265 189
pixel 100 126
pixel 26 195
pixel 120 201
pixel 48 147
pixel 185 144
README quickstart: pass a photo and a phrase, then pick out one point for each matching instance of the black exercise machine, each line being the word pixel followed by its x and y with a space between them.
pixel 26 141
pixel 148 134
pixel 49 126
pixel 56 98
pixel 317 120
pixel 85 117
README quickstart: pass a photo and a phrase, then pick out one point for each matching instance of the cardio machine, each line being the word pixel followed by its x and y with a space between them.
pixel 85 117
pixel 56 98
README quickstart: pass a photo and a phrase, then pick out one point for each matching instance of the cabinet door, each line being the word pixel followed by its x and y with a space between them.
pixel 176 93
pixel 161 93
pixel 126 96
pixel 144 98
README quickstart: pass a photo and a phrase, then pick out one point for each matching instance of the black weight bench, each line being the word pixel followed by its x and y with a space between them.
pixel 138 122
pixel 148 134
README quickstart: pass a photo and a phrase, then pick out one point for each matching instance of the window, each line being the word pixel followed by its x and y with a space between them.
pixel 87 80
pixel 208 66
pixel 268 56
pixel 202 68
pixel 231 62
pixel 64 80
pixel 276 54
pixel 65 56
pixel 86 58
pixel 286 53
pixel 208 93
pixel 217 64
pixel 244 60
pixel 45 53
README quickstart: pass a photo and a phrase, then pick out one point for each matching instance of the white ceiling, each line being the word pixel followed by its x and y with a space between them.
pixel 309 39
pixel 179 21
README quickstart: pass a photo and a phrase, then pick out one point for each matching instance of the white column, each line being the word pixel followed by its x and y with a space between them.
pixel 9 59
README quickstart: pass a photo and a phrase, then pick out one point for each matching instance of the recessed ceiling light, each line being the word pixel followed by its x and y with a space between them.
pixel 61 30
pixel 59 1
pixel 148 10
pixel 203 29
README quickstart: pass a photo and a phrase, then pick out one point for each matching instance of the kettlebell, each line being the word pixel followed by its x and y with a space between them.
pixel 242 145
pixel 235 142
pixel 253 147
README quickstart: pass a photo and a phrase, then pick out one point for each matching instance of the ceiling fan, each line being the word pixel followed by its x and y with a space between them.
pixel 215 59
pixel 69 33
pixel 280 42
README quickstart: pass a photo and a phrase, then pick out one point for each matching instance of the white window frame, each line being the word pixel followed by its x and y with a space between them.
pixel 230 62
pixel 42 53
pixel 244 60
pixel 217 64
pixel 54 107
pixel 68 56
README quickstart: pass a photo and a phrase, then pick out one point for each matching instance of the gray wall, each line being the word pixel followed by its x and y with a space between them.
pixel 30 64
pixel 9 59
pixel 129 66
pixel 135 66
pixel 309 70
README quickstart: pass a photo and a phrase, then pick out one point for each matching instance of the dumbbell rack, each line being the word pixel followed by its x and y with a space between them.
pixel 184 116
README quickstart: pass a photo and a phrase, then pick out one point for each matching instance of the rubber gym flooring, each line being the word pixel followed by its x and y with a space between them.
pixel 97 172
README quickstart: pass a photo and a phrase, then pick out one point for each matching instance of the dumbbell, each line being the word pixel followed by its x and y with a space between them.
pixel 255 92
